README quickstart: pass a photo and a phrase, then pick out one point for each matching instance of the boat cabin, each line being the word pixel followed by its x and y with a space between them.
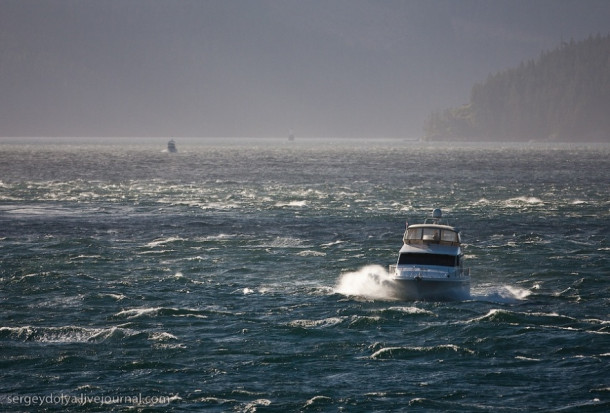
pixel 432 234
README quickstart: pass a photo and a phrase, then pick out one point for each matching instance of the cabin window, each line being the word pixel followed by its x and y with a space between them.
pixel 449 236
pixel 431 234
pixel 414 233
pixel 428 259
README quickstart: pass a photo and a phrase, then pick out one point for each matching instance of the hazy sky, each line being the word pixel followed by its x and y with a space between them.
pixel 323 68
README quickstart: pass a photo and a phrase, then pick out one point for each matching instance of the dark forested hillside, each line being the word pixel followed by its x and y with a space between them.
pixel 564 95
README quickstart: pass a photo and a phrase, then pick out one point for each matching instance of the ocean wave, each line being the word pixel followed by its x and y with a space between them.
pixel 117 297
pixel 164 241
pixel 520 200
pixel 253 406
pixel 137 312
pixel 160 311
pixel 326 322
pixel 296 204
pixel 162 336
pixel 330 244
pixel 500 294
pixel 404 352
pixel 65 334
pixel 410 310
pixel 286 242
pixel 523 358
pixel 311 253
pixel 317 401
pixel 41 210
pixel 364 321
pixel 524 318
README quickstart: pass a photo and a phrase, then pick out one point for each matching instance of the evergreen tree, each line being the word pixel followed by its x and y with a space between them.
pixel 564 95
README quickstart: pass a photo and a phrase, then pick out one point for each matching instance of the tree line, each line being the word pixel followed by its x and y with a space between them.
pixel 564 95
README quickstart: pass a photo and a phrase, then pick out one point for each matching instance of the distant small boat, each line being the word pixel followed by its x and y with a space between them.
pixel 431 262
pixel 291 136
pixel 171 146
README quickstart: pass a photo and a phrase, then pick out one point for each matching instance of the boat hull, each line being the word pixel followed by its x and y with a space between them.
pixel 432 289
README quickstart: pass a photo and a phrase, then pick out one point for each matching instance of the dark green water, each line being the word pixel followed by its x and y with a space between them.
pixel 248 276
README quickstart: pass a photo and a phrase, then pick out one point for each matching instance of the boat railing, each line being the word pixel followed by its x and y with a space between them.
pixel 458 272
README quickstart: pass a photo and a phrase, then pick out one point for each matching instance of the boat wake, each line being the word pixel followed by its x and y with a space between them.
pixel 370 282
pixel 500 294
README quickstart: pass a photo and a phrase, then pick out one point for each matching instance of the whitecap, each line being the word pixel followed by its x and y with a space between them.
pixel 286 242
pixel 219 237
pixel 137 312
pixel 162 336
pixel 64 334
pixel 387 351
pixel 317 400
pixel 522 200
pixel 298 204
pixel 310 253
pixel 326 322
pixel 330 244
pixel 501 294
pixel 516 292
pixel 196 258
pixel 490 314
pixel 171 311
pixel 412 310
pixel 252 406
pixel 482 201
pixel 397 351
pixel 526 358
pixel 163 241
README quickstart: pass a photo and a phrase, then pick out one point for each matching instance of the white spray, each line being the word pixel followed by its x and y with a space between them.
pixel 372 281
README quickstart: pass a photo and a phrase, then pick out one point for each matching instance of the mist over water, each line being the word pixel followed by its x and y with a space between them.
pixel 252 275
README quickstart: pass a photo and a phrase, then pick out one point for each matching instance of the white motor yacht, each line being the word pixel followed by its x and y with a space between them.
pixel 430 263
pixel 171 146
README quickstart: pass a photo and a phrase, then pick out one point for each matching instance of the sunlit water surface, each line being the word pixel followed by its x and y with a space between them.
pixel 249 276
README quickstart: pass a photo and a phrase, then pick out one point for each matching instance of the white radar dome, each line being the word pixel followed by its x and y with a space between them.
pixel 437 213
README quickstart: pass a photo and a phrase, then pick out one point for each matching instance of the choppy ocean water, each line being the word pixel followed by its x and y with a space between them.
pixel 248 276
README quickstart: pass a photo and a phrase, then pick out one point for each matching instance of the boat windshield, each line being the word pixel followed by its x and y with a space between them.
pixel 432 234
